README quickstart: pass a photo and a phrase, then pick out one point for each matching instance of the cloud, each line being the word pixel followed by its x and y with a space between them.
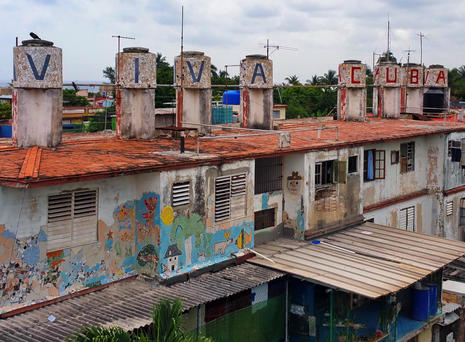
pixel 325 33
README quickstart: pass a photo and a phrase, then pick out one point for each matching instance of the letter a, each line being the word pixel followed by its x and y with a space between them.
pixel 256 73
pixel 34 69
pixel 441 76
pixel 197 78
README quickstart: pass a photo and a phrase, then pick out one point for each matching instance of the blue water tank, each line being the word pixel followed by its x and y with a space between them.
pixel 433 298
pixel 232 97
pixel 420 304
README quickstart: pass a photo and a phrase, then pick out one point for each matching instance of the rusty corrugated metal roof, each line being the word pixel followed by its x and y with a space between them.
pixel 91 156
pixel 370 259
pixel 129 304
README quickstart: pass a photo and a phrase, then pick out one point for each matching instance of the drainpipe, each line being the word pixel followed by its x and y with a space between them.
pixel 286 313
pixel 331 303
pixel 198 320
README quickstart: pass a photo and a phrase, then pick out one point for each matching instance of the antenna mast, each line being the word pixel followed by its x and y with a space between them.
pixel 421 35
pixel 388 47
pixel 180 100
pixel 117 59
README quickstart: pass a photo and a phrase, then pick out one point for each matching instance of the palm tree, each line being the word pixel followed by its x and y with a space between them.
pixel 166 327
pixel 293 80
pixel 214 71
pixel 160 60
pixel 315 80
pixel 329 78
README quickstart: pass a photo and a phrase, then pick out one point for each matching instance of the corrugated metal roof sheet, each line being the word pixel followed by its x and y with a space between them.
pixel 129 304
pixel 370 259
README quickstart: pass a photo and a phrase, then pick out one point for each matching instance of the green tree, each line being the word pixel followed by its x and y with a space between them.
pixel 166 327
pixel 164 96
pixel 329 78
pixel 109 74
pixel 70 99
pixel 293 80
pixel 5 110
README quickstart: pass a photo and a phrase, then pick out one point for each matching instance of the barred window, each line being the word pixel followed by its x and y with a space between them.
pixel 407 219
pixel 264 219
pixel 407 157
pixel 72 219
pixel 268 175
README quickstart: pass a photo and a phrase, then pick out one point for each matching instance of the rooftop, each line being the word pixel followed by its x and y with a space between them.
pixel 91 156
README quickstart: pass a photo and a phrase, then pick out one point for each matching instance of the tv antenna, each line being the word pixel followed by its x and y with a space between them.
pixel 408 54
pixel 119 46
pixel 421 36
pixel 274 48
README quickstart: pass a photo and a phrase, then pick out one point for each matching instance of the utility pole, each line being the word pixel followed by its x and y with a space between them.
pixel 267 46
pixel 388 47
pixel 408 54
pixel 180 97
pixel 117 59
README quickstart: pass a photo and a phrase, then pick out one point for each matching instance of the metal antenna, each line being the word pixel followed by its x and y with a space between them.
pixel 408 54
pixel 267 46
pixel 421 35
pixel 180 96
pixel 388 42
pixel 117 58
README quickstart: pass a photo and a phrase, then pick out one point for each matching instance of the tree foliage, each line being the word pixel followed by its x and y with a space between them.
pixel 70 99
pixel 166 327
pixel 109 74
pixel 164 96
pixel 5 110
pixel 457 83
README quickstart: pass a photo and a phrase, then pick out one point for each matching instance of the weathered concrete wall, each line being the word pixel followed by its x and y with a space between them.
pixel 436 77
pixel 426 214
pixel 197 108
pixel 137 113
pixel 136 226
pixel 386 95
pixel 137 69
pixel 196 70
pixel 269 200
pixel 257 108
pixel 427 172
pixel 296 187
pixel 37 96
pixel 351 96
pixel 256 72
pixel 452 228
pixel 37 117
pixel 414 100
pixel 412 88
pixel 453 174
pixel 342 201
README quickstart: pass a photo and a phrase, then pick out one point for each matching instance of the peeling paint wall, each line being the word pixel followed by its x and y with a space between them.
pixel 452 228
pixel 427 173
pixel 138 231
pixel 453 175
pixel 425 213
pixel 345 199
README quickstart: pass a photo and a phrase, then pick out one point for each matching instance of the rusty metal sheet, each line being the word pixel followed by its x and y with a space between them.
pixel 370 259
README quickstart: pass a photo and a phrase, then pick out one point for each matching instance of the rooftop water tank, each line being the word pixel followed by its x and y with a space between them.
pixel 232 97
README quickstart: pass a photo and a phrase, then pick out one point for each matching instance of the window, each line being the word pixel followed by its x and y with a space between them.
pixel 353 164
pixel 324 173
pixel 268 175
pixel 462 211
pixel 72 219
pixel 373 164
pixel 394 157
pixel 455 150
pixel 264 219
pixel 230 197
pixel 180 194
pixel 407 219
pixel 407 157
pixel 276 114
pixel 449 208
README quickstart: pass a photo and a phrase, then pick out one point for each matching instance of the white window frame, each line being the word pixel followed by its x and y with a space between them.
pixel 230 197
pixel 70 223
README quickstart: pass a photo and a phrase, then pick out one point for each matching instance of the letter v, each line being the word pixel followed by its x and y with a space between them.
pixel 34 69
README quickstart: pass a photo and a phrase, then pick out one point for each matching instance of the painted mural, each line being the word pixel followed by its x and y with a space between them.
pixel 143 238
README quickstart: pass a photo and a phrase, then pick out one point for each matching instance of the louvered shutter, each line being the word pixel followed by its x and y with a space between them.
pixel 449 208
pixel 60 220
pixel 222 198
pixel 238 198
pixel 230 197
pixel 84 217
pixel 181 194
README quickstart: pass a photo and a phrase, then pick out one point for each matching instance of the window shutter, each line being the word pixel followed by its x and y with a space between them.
pixel 411 219
pixel 181 194
pixel 238 198
pixel 341 167
pixel 85 217
pixel 230 197
pixel 449 208
pixel 222 198
pixel 403 219
pixel 60 224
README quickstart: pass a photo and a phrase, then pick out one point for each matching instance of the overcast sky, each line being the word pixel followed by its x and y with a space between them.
pixel 323 32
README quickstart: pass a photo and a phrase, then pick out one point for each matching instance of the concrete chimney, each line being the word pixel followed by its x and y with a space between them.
pixel 194 77
pixel 411 94
pixel 386 92
pixel 256 82
pixel 352 92
pixel 37 94
pixel 135 95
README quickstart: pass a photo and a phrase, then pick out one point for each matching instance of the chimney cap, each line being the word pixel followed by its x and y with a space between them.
pixel 436 66
pixel 258 56
pixel 36 42
pixel 410 64
pixel 352 61
pixel 388 63
pixel 193 53
pixel 136 49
